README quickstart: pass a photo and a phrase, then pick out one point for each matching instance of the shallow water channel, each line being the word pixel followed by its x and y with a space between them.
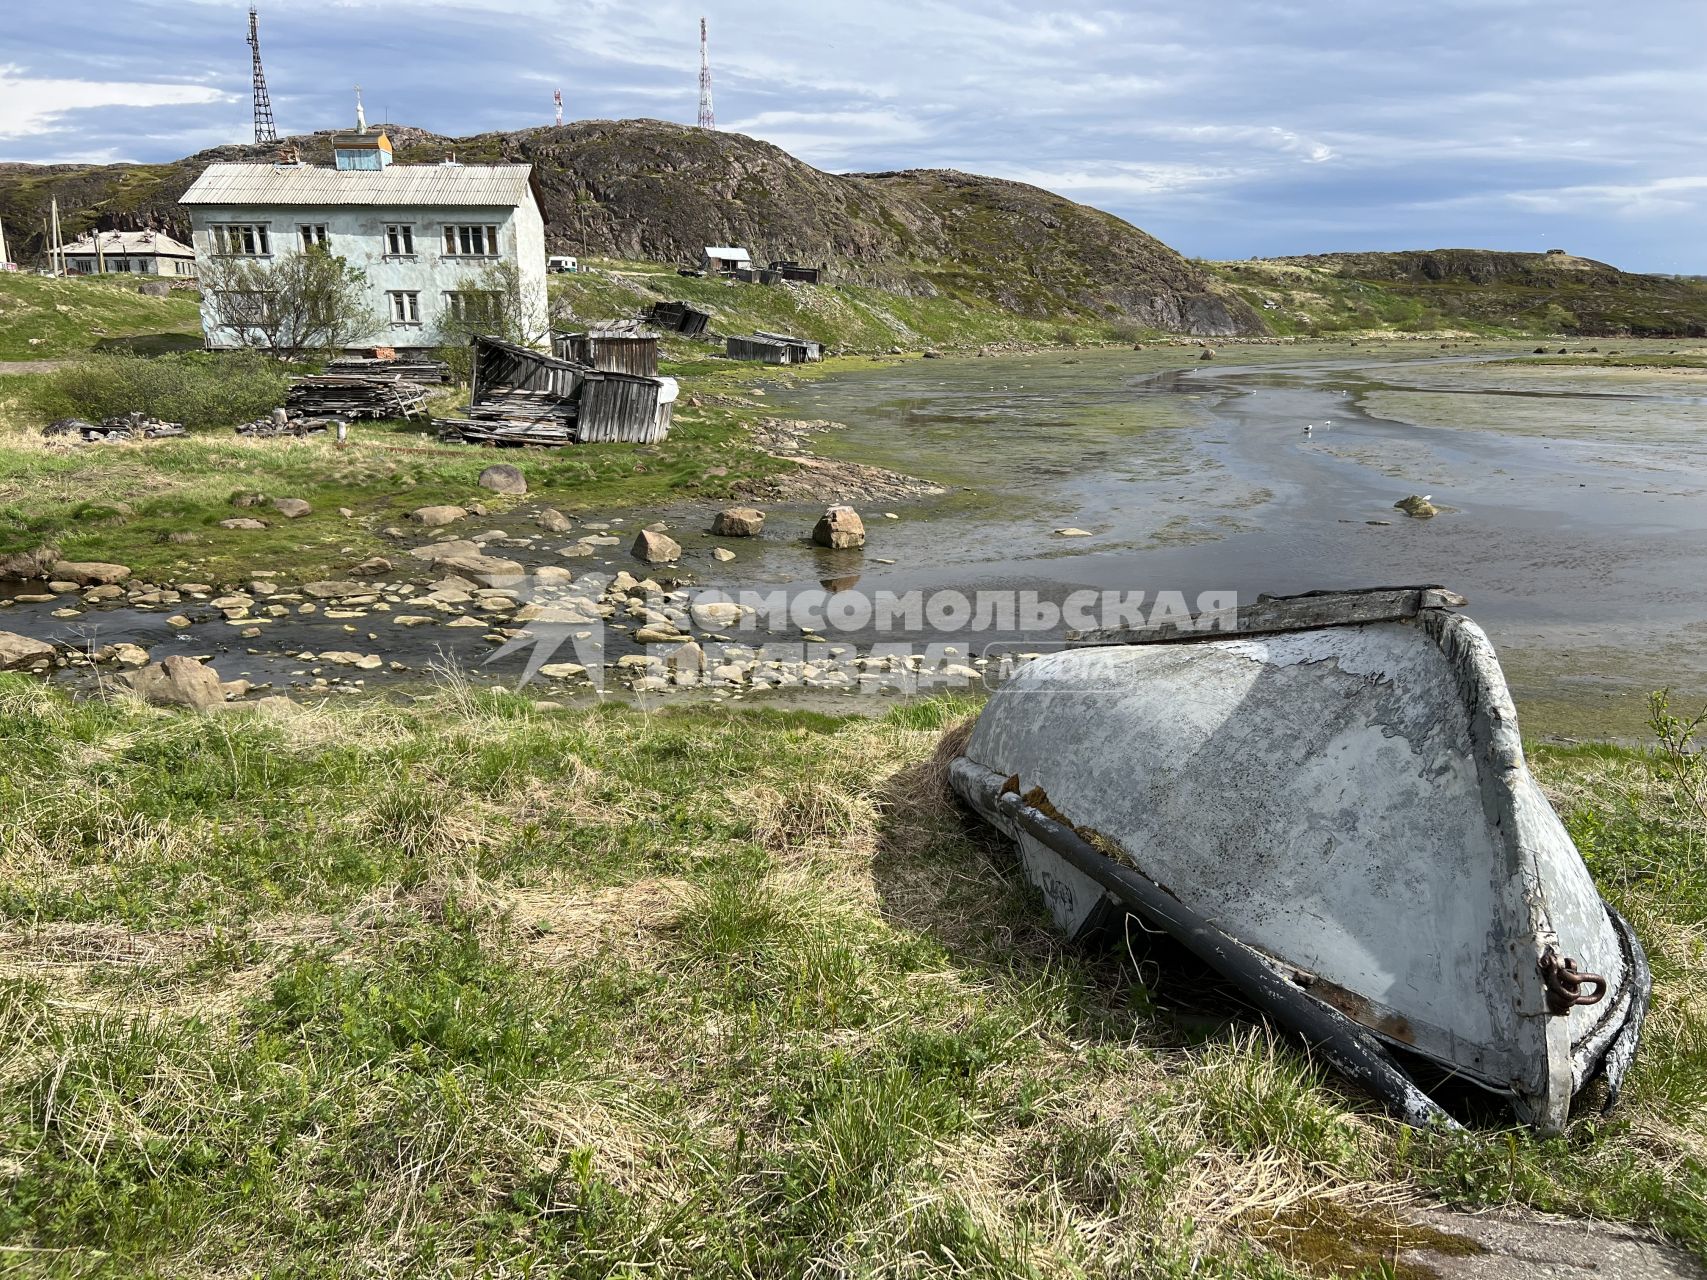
pixel 1572 510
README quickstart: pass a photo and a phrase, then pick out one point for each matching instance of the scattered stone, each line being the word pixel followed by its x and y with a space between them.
pixel 738 522
pixel 182 538
pixel 839 528
pixel 1417 507
pixel 434 552
pixel 243 522
pixel 411 620
pixel 179 621
pixel 1208 354
pixel 338 590
pixel 562 670
pixel 18 651
pixel 291 508
pixel 656 548
pixel 435 517
pixel 235 689
pixel 503 478
pixel 716 614
pixel 179 681
pixel 722 553
pixel 484 571
pixel 379 564
pixel 551 575
pixel 553 521
pixel 125 655
pixel 1071 532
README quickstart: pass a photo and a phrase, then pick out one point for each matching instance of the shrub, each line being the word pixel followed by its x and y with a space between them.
pixel 197 388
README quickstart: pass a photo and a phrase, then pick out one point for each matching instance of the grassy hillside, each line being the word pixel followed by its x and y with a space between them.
pixel 44 318
pixel 466 987
pixel 846 317
pixel 1467 290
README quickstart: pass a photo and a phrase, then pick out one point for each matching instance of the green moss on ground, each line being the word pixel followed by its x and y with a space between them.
pixel 43 318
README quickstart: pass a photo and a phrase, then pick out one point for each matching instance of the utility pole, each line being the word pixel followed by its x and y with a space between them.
pixel 100 253
pixel 264 130
pixel 56 255
pixel 5 261
pixel 707 117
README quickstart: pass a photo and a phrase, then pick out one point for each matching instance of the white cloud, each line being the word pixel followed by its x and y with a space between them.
pixel 34 106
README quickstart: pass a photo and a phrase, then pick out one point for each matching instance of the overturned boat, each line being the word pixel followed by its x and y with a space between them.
pixel 1325 798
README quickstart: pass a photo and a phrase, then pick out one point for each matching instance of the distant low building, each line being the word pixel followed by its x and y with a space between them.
pixel 720 258
pixel 150 253
pixel 423 235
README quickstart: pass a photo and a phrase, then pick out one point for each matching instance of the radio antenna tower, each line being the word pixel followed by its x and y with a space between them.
pixel 707 117
pixel 558 99
pixel 264 130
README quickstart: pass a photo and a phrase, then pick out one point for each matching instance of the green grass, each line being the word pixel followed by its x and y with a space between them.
pixel 464 987
pixel 42 318
pixel 846 317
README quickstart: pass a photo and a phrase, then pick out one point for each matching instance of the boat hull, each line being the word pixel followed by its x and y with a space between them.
pixel 1350 804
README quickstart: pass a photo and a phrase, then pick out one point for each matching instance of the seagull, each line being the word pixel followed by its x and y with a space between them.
pixel 1308 429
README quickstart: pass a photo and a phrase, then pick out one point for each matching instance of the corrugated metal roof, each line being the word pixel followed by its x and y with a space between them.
pixel 496 185
pixel 734 255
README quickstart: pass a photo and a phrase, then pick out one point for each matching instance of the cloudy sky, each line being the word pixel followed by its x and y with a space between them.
pixel 1228 129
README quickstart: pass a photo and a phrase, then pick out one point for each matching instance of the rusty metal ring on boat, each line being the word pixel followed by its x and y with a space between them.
pixel 1565 983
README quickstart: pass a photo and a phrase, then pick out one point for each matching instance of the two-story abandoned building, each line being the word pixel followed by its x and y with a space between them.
pixel 425 236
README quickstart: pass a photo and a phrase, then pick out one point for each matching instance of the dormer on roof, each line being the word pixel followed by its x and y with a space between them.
pixel 361 150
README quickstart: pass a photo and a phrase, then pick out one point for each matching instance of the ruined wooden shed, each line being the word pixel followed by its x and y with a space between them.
pixel 794 271
pixel 624 407
pixel 800 350
pixel 679 317
pixel 753 347
pixel 502 367
pixel 622 348
pixel 718 259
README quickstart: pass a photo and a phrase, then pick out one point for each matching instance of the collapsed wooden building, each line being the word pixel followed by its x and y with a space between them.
pixel 678 317
pixel 788 269
pixel 525 397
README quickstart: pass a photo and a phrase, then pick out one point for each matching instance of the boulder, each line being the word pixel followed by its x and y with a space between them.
pixel 434 552
pixel 501 477
pixel 335 590
pixel 379 564
pixel 840 528
pixel 155 289
pixel 243 522
pixel 485 571
pixel 1208 354
pixel 90 573
pixel 716 614
pixel 738 522
pixel 1417 507
pixel 21 566
pixel 656 548
pixel 435 517
pixel 179 681
pixel 291 508
pixel 1072 532
pixel 722 553
pixel 554 521
pixel 18 651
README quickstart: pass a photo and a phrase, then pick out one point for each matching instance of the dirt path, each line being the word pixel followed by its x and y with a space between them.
pixel 31 366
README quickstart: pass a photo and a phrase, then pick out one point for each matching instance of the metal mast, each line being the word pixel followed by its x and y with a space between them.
pixel 264 130
pixel 707 117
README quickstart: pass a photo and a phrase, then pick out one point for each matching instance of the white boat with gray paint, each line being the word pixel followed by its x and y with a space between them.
pixel 1325 797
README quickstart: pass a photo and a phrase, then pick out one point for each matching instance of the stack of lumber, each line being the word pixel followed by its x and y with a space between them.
pixel 279 424
pixel 353 396
pixel 416 368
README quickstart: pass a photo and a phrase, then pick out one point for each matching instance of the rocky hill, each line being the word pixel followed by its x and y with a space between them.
pixel 1478 289
pixel 652 190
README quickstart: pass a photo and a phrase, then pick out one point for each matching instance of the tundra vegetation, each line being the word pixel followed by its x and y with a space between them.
pixel 467 986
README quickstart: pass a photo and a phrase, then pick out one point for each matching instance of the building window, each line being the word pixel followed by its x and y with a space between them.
pixel 399 241
pixel 241 240
pixel 405 307
pixel 477 306
pixel 471 242
pixel 185 268
pixel 118 264
pixel 314 236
